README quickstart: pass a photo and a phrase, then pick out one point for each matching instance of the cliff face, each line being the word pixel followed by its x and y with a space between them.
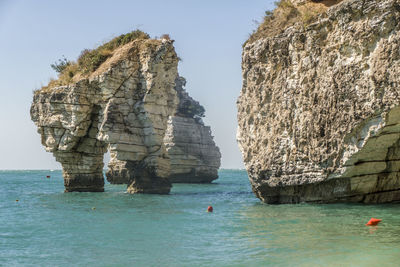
pixel 319 114
pixel 124 106
pixel 191 151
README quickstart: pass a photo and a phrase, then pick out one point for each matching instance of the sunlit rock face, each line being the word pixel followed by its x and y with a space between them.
pixel 123 106
pixel 319 115
pixel 191 150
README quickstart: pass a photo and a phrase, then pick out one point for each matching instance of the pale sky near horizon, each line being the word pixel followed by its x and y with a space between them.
pixel 35 33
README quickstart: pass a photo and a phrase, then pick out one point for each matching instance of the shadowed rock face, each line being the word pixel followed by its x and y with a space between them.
pixel 123 106
pixel 194 157
pixel 191 151
pixel 319 115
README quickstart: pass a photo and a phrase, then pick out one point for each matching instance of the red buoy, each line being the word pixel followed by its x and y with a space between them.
pixel 373 222
pixel 210 209
pixel 48 176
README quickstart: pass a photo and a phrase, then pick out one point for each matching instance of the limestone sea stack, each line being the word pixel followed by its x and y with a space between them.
pixel 319 114
pixel 117 97
pixel 192 152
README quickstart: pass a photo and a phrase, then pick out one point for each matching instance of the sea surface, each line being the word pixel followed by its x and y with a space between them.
pixel 47 227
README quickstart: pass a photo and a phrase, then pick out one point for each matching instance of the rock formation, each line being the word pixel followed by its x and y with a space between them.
pixel 118 97
pixel 123 105
pixel 193 155
pixel 319 114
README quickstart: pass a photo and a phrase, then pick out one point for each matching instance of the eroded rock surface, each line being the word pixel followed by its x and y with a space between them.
pixel 192 153
pixel 194 156
pixel 124 105
pixel 319 115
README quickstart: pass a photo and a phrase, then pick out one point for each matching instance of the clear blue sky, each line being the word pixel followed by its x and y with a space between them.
pixel 208 36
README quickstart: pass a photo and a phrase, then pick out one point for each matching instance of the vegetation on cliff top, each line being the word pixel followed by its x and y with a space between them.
pixel 191 109
pixel 90 59
pixel 287 14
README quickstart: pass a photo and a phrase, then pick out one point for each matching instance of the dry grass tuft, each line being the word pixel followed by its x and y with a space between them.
pixel 165 36
pixel 287 14
pixel 89 60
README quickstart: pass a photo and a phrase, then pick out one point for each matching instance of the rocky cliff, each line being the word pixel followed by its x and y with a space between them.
pixel 194 156
pixel 319 114
pixel 122 106
pixel 192 153
pixel 118 97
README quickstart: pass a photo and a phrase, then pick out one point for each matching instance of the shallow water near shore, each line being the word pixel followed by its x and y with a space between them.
pixel 47 227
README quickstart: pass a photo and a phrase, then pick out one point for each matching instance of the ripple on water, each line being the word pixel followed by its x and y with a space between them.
pixel 49 227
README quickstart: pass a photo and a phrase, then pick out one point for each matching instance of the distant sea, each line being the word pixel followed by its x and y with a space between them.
pixel 47 227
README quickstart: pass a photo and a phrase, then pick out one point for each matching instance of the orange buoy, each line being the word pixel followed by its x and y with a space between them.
pixel 373 222
pixel 210 209
pixel 16 200
pixel 48 176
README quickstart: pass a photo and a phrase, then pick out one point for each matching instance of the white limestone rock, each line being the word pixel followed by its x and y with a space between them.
pixel 123 106
pixel 318 113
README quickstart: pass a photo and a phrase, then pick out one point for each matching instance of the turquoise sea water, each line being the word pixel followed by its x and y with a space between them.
pixel 47 227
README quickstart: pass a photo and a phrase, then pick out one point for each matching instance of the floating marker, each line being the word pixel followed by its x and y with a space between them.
pixel 373 222
pixel 48 176
pixel 93 208
pixel 210 209
pixel 16 200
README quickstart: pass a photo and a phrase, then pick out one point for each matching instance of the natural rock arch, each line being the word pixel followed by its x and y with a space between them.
pixel 125 105
pixel 133 105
